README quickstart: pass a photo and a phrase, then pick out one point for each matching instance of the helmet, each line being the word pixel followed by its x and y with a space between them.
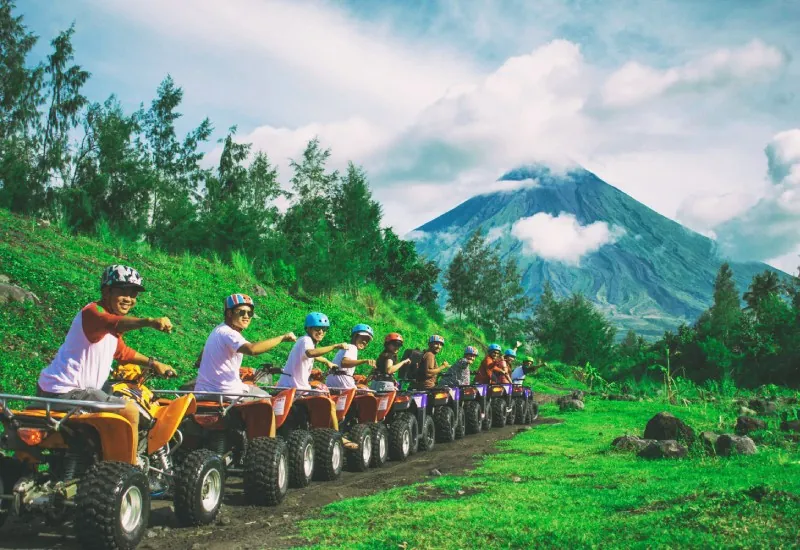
pixel 469 350
pixel 121 275
pixel 393 337
pixel 436 339
pixel 236 300
pixel 494 347
pixel 510 353
pixel 362 329
pixel 317 320
pixel 527 359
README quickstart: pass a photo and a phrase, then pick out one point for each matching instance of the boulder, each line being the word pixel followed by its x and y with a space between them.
pixel 664 449
pixel 709 440
pixel 631 443
pixel 570 404
pixel 259 291
pixel 790 426
pixel 622 398
pixel 665 426
pixel 748 424
pixel 744 411
pixel 763 406
pixel 4 279
pixel 577 395
pixel 13 293
pixel 728 444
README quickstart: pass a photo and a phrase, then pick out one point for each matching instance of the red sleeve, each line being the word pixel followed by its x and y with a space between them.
pixel 123 353
pixel 97 324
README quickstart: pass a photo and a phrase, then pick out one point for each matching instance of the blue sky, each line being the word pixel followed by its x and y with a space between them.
pixel 681 104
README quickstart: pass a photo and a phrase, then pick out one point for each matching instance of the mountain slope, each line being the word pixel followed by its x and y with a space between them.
pixel 657 274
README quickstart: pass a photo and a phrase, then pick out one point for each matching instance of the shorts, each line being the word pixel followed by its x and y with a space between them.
pixel 88 394
pixel 383 385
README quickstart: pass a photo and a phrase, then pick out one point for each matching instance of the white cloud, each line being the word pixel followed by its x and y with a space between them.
pixel 771 227
pixel 634 83
pixel 702 212
pixel 496 233
pixel 562 238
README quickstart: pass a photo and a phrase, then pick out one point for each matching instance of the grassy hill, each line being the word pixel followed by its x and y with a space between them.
pixel 64 272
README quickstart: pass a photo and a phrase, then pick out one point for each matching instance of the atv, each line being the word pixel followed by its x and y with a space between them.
pixel 502 407
pixel 411 427
pixel 526 410
pixel 357 412
pixel 446 408
pixel 477 412
pixel 76 460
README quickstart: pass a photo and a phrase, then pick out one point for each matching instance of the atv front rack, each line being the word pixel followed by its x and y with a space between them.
pixel 73 406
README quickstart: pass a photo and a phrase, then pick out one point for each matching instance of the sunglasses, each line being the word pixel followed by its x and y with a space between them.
pixel 243 313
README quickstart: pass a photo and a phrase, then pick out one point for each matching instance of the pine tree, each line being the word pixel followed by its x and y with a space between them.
pixel 725 312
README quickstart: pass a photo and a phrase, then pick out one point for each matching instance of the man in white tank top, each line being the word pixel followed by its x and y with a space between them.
pixel 83 362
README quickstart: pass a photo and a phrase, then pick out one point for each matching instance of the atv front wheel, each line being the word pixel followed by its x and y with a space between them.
pixel 445 424
pixel 358 459
pixel 329 454
pixel 199 486
pixel 301 458
pixel 520 411
pixel 400 438
pixel 472 417
pixel 488 417
pixel 461 428
pixel 427 436
pixel 380 444
pixel 533 412
pixel 414 425
pixel 499 413
pixel 266 471
pixel 511 413
pixel 113 507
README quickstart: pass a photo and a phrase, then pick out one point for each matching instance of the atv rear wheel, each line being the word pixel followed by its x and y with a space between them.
pixel 358 460
pixel 533 412
pixel 445 421
pixel 488 417
pixel 400 438
pixel 380 444
pixel 472 417
pixel 113 507
pixel 414 425
pixel 511 413
pixel 302 458
pixel 499 413
pixel 329 454
pixel 461 428
pixel 199 486
pixel 521 410
pixel 266 471
pixel 427 436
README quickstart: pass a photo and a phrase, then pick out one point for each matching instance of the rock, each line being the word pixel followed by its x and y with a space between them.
pixel 224 520
pixel 13 293
pixel 728 444
pixel 748 424
pixel 151 534
pixel 664 449
pixel 631 443
pixel 709 440
pixel 435 472
pixel 790 426
pixel 4 279
pixel 570 405
pixel 763 406
pixel 577 395
pixel 516 479
pixel 622 398
pixel 744 411
pixel 665 426
pixel 259 291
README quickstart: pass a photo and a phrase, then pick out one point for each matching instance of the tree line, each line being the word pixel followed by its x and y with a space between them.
pixel 90 164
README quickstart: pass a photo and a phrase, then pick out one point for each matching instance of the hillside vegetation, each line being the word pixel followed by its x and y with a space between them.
pixel 63 271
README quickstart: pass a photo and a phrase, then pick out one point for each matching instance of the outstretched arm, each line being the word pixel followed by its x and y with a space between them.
pixel 319 352
pixel 264 346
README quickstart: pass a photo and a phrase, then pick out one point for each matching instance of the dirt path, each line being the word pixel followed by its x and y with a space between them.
pixel 243 526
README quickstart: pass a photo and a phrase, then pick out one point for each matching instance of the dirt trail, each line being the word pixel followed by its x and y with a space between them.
pixel 243 526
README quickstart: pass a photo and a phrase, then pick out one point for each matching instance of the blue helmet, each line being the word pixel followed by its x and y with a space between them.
pixel 316 320
pixel 361 328
pixel 495 347
pixel 510 353
pixel 436 339
pixel 469 350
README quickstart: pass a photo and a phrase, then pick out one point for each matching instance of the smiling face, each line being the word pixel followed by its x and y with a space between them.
pixel 239 317
pixel 317 333
pixel 495 354
pixel 469 359
pixel 435 347
pixel 361 341
pixel 119 300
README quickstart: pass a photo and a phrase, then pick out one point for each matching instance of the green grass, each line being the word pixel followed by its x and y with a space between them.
pixel 64 272
pixel 562 486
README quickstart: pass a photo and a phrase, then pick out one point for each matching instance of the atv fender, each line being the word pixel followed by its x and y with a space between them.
pixel 115 433
pixel 343 400
pixel 258 417
pixel 167 421
pixel 322 412
pixel 282 405
pixel 367 408
pixel 384 402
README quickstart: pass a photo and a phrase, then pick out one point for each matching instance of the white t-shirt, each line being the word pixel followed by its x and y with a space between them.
pixel 338 380
pixel 518 375
pixel 298 365
pixel 219 366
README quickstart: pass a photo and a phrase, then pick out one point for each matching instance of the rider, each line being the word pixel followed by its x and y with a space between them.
pixel 458 374
pixel 518 376
pixel 504 377
pixel 225 347
pixel 83 362
pixel 428 368
pixel 387 364
pixel 346 361
pixel 305 352
pixel 492 364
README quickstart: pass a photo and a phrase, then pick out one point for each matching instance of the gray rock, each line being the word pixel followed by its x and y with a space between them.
pixel 13 293
pixel 570 405
pixel 5 279
pixel 435 472
pixel 664 449
pixel 665 426
pixel 748 424
pixel 259 291
pixel 764 406
pixel 744 411
pixel 577 395
pixel 729 444
pixel 631 443
pixel 790 426
pixel 622 398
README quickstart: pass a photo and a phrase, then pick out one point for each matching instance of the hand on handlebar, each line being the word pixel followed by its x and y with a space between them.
pixel 165 370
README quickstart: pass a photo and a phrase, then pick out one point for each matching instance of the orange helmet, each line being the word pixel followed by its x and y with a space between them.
pixel 393 337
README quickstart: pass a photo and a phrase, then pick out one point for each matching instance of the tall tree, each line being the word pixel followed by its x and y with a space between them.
pixel 763 285
pixel 725 312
